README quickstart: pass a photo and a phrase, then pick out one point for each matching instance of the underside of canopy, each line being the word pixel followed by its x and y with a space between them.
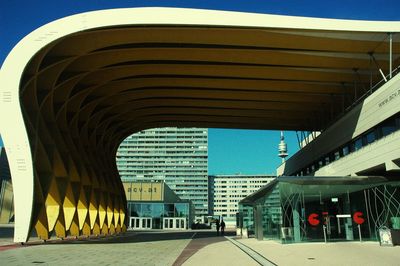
pixel 75 88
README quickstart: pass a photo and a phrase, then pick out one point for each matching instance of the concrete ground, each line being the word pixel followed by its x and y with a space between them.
pixel 131 248
pixel 201 247
pixel 222 254
pixel 337 253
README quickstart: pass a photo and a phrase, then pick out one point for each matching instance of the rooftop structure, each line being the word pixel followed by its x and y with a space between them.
pixel 282 148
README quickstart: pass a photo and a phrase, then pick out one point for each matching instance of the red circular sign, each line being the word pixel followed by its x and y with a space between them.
pixel 357 218
pixel 312 219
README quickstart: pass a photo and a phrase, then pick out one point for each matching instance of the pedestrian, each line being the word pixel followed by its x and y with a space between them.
pixel 222 226
pixel 217 226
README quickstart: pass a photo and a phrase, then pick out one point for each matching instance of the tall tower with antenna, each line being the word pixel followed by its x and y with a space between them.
pixel 282 148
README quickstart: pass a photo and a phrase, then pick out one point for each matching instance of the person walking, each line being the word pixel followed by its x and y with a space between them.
pixel 217 226
pixel 222 226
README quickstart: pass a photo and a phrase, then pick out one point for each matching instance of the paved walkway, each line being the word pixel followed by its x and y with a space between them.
pixel 338 253
pixel 207 246
pixel 222 253
pixel 187 248
pixel 131 248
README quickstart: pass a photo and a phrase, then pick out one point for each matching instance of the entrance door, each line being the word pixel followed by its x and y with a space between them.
pixel 345 226
pixel 174 223
pixel 140 223
pixel 338 227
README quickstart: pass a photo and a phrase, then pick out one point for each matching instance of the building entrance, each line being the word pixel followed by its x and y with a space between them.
pixel 141 223
pixel 328 219
pixel 345 226
pixel 175 223
pixel 305 209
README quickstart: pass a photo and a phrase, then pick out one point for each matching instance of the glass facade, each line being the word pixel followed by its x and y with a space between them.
pixel 246 218
pixel 157 211
pixel 294 209
pixel 178 156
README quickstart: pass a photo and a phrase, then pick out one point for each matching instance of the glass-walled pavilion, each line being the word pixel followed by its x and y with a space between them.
pixel 153 205
pixel 303 209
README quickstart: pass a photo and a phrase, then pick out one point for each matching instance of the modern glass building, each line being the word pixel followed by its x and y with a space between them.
pixel 303 209
pixel 178 156
pixel 153 205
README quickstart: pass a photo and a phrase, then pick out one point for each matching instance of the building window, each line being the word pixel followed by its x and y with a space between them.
pixel 388 127
pixel 336 155
pixel 370 137
pixel 346 150
pixel 358 144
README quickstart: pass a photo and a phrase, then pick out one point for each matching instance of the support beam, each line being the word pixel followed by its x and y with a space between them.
pixel 377 66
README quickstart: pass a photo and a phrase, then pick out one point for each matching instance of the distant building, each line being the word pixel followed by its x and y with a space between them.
pixel 153 205
pixel 178 156
pixel 227 190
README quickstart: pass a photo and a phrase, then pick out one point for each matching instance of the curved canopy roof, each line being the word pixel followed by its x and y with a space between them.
pixel 272 72
pixel 86 82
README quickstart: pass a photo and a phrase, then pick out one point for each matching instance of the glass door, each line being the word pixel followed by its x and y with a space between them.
pixel 141 223
pixel 345 226
pixel 174 223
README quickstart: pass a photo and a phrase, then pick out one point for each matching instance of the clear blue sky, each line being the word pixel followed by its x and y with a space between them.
pixel 230 151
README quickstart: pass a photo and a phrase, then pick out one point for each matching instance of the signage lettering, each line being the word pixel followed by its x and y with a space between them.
pixel 357 218
pixel 145 191
pixel 389 98
pixel 150 190
pixel 314 220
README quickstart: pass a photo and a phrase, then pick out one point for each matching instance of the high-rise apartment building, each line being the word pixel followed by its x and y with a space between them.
pixel 178 156
pixel 227 190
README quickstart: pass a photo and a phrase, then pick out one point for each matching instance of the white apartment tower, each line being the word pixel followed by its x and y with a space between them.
pixel 227 190
pixel 178 156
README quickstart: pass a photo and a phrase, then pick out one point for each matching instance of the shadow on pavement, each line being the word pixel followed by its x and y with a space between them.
pixel 6 232
pixel 127 237
pixel 148 236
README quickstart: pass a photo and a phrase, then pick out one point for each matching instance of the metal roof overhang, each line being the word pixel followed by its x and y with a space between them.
pixel 330 185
